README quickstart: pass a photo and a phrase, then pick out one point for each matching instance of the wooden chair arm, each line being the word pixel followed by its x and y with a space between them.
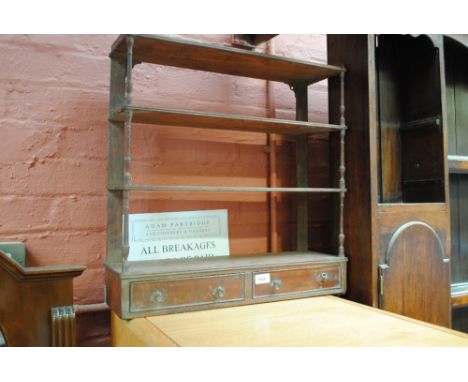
pixel 27 295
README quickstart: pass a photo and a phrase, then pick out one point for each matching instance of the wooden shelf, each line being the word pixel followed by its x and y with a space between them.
pixel 114 187
pixel 458 164
pixel 175 117
pixel 459 295
pixel 224 263
pixel 422 123
pixel 195 55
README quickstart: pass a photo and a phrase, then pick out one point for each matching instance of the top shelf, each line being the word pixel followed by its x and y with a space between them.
pixel 181 53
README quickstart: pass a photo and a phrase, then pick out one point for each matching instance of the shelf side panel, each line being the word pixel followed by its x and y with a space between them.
pixel 115 164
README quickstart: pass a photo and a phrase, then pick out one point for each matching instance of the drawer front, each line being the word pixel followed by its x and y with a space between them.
pixel 153 295
pixel 295 281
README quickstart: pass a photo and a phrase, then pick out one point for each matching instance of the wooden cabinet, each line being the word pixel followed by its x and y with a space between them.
pixel 456 70
pixel 398 218
pixel 164 286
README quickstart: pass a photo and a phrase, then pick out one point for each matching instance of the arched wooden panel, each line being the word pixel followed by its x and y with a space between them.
pixel 415 279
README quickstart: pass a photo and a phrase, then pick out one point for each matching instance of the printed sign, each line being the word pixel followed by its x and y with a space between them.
pixel 178 235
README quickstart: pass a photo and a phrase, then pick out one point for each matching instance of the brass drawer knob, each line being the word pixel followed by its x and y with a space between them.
pixel 276 284
pixel 219 292
pixel 158 297
pixel 322 277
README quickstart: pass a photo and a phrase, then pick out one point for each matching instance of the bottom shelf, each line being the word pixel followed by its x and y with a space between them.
pixel 169 286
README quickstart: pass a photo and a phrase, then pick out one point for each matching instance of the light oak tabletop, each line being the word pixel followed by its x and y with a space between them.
pixel 316 321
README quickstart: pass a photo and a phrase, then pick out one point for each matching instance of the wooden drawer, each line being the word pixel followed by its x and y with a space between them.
pixel 295 281
pixel 154 295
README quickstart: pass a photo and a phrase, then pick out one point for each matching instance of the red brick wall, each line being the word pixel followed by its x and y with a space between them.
pixel 53 149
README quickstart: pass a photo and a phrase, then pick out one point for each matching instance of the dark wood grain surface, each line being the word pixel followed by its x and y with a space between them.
pixel 456 73
pixel 396 161
pixel 352 51
pixel 457 101
pixel 416 282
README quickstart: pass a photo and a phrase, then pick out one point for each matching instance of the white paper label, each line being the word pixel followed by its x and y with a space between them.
pixel 178 235
pixel 263 278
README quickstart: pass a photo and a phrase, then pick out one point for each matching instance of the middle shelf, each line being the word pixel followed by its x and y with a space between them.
pixel 186 118
pixel 116 187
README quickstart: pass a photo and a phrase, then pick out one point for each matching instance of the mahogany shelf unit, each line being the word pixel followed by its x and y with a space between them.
pixel 163 286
